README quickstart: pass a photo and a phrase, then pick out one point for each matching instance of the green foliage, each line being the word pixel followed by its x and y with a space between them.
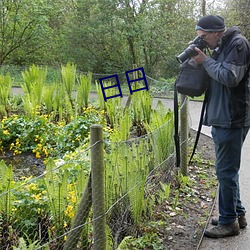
pixel 122 125
pixel 48 98
pixel 34 81
pixel 126 172
pixel 147 241
pixel 23 245
pixel 24 30
pixel 164 192
pixel 141 109
pixel 161 126
pixel 83 90
pixel 100 96
pixel 127 160
pixel 57 188
pixel 68 74
pixel 114 109
pixel 5 90
pixel 6 184
pixel 184 181
pixel 30 206
pixel 103 36
pixel 43 137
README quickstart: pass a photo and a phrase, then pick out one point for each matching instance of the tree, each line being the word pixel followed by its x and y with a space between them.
pixel 20 22
pixel 237 12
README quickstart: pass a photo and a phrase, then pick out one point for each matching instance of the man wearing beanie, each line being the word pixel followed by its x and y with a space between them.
pixel 228 112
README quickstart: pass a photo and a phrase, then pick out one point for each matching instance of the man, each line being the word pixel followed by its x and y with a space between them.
pixel 228 112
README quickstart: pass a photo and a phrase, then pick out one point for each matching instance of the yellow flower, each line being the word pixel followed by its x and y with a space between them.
pixel 16 152
pixel 37 196
pixel 6 132
pixel 14 209
pixel 38 156
pixel 69 211
pixel 31 187
pixel 73 199
pixel 45 151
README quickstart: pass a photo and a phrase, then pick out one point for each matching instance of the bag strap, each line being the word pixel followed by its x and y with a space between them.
pixel 199 127
pixel 176 126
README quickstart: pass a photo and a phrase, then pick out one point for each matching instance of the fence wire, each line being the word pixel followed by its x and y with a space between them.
pixel 48 203
pixel 43 210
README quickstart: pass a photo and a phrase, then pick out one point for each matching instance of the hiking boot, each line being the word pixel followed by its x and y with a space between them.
pixel 221 231
pixel 241 219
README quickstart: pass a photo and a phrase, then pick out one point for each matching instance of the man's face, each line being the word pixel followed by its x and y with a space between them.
pixel 211 38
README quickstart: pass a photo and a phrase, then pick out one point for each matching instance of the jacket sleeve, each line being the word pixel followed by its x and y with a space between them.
pixel 234 66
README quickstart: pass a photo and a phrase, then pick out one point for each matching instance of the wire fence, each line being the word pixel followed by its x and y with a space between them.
pixel 48 204
pixel 55 210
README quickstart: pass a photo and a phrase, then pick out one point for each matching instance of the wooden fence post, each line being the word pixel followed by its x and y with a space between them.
pixel 184 135
pixel 98 195
pixel 80 218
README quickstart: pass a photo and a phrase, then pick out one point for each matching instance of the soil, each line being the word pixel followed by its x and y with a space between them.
pixel 25 164
pixel 186 223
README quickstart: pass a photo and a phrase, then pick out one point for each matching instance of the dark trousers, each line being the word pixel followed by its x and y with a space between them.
pixel 228 145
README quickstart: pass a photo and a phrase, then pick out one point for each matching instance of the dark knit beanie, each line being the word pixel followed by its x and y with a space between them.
pixel 211 23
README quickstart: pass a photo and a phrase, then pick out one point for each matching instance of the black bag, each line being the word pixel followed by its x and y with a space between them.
pixel 192 80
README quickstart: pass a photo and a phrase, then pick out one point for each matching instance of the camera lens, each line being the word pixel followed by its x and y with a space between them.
pixel 187 53
pixel 190 51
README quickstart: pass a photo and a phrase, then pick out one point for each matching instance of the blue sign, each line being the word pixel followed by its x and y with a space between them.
pixel 118 84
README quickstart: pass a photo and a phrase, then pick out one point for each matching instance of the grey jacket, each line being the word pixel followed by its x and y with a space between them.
pixel 228 103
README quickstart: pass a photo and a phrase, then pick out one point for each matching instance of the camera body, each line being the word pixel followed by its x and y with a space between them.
pixel 190 51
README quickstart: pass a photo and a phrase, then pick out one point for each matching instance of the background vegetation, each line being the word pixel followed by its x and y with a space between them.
pixel 107 36
pixel 101 37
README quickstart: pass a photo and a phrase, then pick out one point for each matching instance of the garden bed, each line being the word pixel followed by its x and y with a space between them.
pixel 178 222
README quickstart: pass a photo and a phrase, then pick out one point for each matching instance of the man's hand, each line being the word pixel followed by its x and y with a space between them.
pixel 200 58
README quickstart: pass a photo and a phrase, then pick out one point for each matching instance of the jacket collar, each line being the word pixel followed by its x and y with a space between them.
pixel 231 32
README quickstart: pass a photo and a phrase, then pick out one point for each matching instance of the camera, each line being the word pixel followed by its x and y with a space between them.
pixel 190 51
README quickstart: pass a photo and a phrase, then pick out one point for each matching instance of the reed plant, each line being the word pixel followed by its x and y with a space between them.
pixel 83 90
pixel 141 110
pixel 62 106
pixel 137 180
pixel 126 172
pixel 56 186
pixel 113 106
pixel 68 75
pixel 102 103
pixel 142 106
pixel 5 90
pixel 34 80
pixel 161 132
pixel 6 184
pixel 122 126
pixel 48 97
